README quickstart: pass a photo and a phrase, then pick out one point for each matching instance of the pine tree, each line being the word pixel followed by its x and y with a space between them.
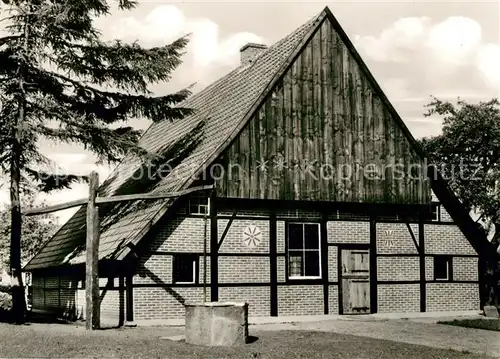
pixel 59 82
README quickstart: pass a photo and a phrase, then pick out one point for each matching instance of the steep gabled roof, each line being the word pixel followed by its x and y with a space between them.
pixel 227 105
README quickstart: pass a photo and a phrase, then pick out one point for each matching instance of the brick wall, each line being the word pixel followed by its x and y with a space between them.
pixel 154 269
pixel 396 238
pixel 348 232
pixel 333 299
pixel 300 300
pixel 233 242
pixel 232 269
pixel 181 234
pixel 244 270
pixel 392 238
pixel 164 303
pixel 280 236
pixel 155 297
pixel 256 297
pixel 398 298
pixel 446 239
pixel 398 268
pixel 332 264
pixel 429 268
pixel 452 297
pixel 465 268
pixel 281 269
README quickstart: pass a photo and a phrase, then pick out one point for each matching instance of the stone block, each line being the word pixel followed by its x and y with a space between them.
pixel 217 324
pixel 490 311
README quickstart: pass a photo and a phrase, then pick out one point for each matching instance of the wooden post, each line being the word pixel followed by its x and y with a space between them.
pixel 214 251
pixel 92 260
pixel 205 244
pixel 129 301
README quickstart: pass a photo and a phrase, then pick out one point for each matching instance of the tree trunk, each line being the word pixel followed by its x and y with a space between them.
pixel 18 299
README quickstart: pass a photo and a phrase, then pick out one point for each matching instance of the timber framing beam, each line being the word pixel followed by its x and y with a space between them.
pixel 103 200
pixel 57 207
pixel 421 245
pixel 273 265
pixel 151 196
pixel 214 249
pixel 412 234
pixel 226 230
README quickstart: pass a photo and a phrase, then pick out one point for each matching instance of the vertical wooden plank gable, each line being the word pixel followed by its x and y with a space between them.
pixel 324 114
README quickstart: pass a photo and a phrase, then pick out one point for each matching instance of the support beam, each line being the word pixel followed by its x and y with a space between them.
pixel 121 298
pixel 413 238
pixel 273 263
pixel 92 259
pixel 205 250
pixel 103 200
pixel 129 299
pixel 373 265
pixel 226 230
pixel 214 252
pixel 57 207
pixel 324 262
pixel 421 246
pixel 150 196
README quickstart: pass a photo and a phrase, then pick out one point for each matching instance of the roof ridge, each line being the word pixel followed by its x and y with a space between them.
pixel 282 40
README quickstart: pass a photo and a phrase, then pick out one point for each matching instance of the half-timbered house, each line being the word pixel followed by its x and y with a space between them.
pixel 323 202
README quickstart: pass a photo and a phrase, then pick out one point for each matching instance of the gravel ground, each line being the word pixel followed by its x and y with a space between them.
pixel 415 332
pixel 70 341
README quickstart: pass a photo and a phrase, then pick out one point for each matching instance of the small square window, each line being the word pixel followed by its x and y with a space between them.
pixel 185 269
pixel 435 212
pixel 443 268
pixel 198 205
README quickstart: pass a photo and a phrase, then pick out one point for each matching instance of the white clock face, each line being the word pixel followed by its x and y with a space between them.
pixel 252 236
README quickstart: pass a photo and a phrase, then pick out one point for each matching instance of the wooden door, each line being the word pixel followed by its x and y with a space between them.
pixel 355 281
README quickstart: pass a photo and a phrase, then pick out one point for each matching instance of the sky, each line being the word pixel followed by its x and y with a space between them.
pixel 415 49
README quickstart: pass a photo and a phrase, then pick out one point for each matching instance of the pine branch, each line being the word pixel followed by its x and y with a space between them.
pixel 74 86
pixel 124 66
pixel 48 182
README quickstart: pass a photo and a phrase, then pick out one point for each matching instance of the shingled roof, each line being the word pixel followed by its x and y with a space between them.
pixel 224 108
pixel 226 104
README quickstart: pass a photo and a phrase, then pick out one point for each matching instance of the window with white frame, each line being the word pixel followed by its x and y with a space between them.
pixel 198 205
pixel 304 250
pixel 185 269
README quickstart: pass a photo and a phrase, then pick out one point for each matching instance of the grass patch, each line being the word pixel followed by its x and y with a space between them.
pixel 486 324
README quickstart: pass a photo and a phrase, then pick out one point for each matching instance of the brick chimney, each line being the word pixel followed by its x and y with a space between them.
pixel 250 51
